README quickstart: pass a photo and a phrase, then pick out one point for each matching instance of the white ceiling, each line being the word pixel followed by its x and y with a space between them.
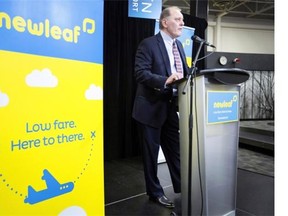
pixel 253 9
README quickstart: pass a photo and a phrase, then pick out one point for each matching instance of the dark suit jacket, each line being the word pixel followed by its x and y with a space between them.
pixel 152 68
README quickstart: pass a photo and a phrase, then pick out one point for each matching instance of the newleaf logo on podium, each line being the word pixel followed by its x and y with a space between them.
pixel 222 107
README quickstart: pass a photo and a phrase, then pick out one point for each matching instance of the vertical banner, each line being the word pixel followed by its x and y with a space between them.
pixel 148 9
pixel 185 38
pixel 51 107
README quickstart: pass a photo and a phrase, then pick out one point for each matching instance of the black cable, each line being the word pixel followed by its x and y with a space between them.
pixel 206 56
pixel 190 149
pixel 198 151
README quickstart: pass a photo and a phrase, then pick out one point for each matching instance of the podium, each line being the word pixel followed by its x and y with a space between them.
pixel 209 135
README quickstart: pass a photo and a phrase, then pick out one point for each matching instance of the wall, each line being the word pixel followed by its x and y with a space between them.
pixel 241 35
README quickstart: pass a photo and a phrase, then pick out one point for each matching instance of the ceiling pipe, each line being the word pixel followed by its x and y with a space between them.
pixel 218 29
pixel 261 11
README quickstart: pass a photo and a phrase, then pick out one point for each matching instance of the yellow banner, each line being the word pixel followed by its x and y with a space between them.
pixel 51 136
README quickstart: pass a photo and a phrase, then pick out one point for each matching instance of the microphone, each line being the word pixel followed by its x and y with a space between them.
pixel 200 40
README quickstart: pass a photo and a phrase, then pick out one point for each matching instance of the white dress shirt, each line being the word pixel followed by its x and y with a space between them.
pixel 168 41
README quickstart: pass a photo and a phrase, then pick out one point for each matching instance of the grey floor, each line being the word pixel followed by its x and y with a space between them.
pixel 125 186
pixel 257 162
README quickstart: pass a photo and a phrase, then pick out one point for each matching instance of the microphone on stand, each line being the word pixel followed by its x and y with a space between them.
pixel 200 40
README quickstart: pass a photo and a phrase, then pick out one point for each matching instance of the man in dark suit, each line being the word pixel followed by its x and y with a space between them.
pixel 155 105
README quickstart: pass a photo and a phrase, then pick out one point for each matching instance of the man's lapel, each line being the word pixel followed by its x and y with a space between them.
pixel 164 53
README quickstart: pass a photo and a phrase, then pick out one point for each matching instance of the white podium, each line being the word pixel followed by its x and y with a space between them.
pixel 209 141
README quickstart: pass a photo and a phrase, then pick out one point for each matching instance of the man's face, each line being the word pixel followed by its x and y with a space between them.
pixel 174 23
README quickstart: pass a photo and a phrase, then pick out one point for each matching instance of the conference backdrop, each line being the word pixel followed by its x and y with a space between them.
pixel 51 107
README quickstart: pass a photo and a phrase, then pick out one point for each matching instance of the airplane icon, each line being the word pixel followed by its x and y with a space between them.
pixel 54 188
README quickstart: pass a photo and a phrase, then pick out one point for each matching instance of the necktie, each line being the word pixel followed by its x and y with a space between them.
pixel 177 59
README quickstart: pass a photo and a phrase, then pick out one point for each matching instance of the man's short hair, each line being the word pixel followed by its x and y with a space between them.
pixel 166 13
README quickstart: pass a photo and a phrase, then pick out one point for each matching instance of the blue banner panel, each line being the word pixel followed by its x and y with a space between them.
pixel 222 106
pixel 34 24
pixel 148 9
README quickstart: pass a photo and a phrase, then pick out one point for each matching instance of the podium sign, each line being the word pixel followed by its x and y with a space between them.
pixel 222 107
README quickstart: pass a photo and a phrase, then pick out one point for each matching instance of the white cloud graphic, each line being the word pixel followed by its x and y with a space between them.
pixel 73 211
pixel 43 78
pixel 94 93
pixel 4 99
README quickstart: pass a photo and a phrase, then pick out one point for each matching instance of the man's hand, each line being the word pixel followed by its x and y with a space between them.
pixel 173 78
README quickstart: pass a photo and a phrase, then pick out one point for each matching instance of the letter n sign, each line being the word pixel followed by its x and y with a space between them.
pixel 148 9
